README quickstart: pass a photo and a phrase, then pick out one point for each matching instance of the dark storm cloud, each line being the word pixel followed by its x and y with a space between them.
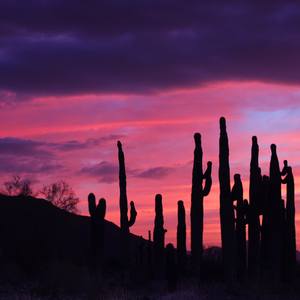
pixel 58 47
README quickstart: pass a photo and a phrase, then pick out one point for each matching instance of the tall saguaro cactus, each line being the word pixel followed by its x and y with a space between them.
pixel 290 229
pixel 276 218
pixel 198 193
pixel 181 236
pixel 226 206
pixel 159 232
pixel 265 243
pixel 255 194
pixel 124 221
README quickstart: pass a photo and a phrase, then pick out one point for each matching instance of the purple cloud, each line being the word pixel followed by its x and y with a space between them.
pixel 164 44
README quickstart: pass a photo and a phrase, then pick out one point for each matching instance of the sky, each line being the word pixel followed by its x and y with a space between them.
pixel 77 76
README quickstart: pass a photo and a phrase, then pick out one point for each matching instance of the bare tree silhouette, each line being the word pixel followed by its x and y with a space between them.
pixel 17 186
pixel 61 195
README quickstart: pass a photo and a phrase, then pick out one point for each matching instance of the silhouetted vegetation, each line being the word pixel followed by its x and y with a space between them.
pixel 198 193
pixel 61 195
pixel 17 186
pixel 181 237
pixel 226 207
pixel 36 235
pixel 159 234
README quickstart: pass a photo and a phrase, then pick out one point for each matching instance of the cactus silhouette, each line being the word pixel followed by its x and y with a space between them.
pixel 181 236
pixel 159 233
pixel 290 229
pixel 240 226
pixel 124 221
pixel 226 207
pixel 255 189
pixel 276 218
pixel 171 268
pixel 97 214
pixel 265 243
pixel 149 254
pixel 198 193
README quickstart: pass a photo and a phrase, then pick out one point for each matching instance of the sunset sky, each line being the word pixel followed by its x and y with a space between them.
pixel 76 76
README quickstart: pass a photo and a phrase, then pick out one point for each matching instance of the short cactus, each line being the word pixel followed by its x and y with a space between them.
pixel 97 214
pixel 159 232
pixel 171 268
pixel 240 227
pixel 181 236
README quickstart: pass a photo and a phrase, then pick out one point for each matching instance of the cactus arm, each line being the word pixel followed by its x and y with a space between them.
pixel 208 179
pixel 133 214
pixel 92 204
pixel 102 208
pixel 285 168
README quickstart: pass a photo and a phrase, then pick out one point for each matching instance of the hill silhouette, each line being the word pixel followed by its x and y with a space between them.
pixel 33 230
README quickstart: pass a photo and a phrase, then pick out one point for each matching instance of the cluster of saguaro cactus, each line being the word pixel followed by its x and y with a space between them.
pixel 271 251
pixel 198 193
pixel 97 213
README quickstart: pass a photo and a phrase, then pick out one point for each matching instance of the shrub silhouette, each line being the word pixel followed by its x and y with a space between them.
pixel 198 193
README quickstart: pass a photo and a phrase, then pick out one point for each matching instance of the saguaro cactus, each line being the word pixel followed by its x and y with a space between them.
pixel 226 206
pixel 125 223
pixel 255 204
pixel 159 231
pixel 290 229
pixel 149 254
pixel 97 214
pixel 276 220
pixel 181 236
pixel 240 226
pixel 198 193
pixel 171 268
pixel 265 244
